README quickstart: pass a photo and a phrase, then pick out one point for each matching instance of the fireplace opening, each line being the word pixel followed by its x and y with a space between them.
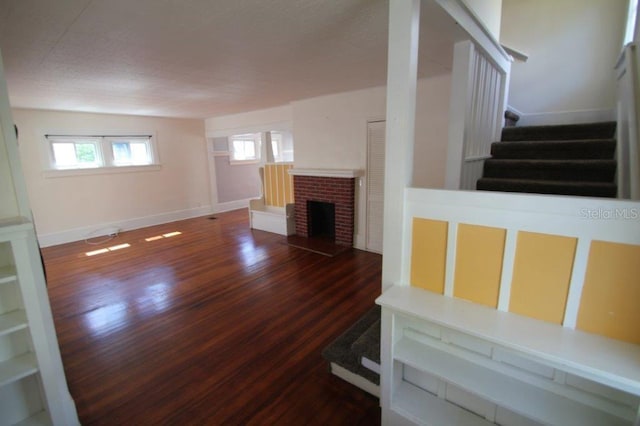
pixel 321 220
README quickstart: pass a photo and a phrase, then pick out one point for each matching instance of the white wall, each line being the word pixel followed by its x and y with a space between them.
pixel 8 201
pixel 572 46
pixel 68 208
pixel 489 12
pixel 636 33
pixel 331 132
pixel 277 118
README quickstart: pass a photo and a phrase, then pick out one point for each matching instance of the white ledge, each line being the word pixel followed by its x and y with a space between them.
pixel 611 362
pixel 337 173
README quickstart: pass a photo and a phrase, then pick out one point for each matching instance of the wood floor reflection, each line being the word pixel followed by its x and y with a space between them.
pixel 216 325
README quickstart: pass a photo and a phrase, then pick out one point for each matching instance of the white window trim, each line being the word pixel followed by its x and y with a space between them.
pixel 105 170
pixel 108 165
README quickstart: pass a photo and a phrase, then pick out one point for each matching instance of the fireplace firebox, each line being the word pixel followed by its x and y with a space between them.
pixel 322 220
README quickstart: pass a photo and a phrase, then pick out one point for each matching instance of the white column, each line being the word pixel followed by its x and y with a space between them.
pixel 404 30
pixel 267 148
pixel 460 90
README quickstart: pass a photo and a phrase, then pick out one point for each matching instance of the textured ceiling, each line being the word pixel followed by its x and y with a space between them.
pixel 200 58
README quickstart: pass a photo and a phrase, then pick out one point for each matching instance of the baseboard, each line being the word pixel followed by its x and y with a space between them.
pixel 103 229
pixel 355 380
pixel 231 205
pixel 564 117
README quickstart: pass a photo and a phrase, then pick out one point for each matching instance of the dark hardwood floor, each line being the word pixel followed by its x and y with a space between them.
pixel 217 325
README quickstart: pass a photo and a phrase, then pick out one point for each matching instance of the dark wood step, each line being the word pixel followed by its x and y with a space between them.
pixel 603 130
pixel 559 149
pixel 563 170
pixel 588 189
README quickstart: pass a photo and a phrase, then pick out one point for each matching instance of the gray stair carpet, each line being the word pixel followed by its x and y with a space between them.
pixel 361 339
pixel 574 159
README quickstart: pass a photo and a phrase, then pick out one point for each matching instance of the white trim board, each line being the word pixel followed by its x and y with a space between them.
pixel 355 380
pixel 563 117
pixel 231 205
pixel 79 234
pixel 254 128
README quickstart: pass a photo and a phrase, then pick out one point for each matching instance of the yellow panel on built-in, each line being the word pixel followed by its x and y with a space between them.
pixel 611 292
pixel 479 252
pixel 428 254
pixel 541 275
pixel 266 186
pixel 280 185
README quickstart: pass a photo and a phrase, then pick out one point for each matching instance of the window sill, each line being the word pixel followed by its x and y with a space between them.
pixel 54 173
pixel 241 162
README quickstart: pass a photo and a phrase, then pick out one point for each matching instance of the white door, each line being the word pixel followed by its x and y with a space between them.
pixel 375 185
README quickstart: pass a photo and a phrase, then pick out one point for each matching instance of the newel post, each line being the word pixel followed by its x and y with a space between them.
pixel 404 30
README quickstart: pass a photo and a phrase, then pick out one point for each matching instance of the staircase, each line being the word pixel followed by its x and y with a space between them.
pixel 573 159
pixel 355 355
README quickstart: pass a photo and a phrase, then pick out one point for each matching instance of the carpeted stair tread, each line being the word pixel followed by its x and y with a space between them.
pixel 603 130
pixel 588 189
pixel 556 149
pixel 561 170
pixel 368 344
pixel 340 351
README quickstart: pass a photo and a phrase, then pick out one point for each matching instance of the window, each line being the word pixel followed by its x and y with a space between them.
pixel 76 153
pixel 130 151
pixel 245 148
pixel 99 152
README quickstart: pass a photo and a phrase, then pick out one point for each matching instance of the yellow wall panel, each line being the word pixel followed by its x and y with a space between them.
pixel 541 275
pixel 273 182
pixel 278 185
pixel 611 292
pixel 479 252
pixel 428 254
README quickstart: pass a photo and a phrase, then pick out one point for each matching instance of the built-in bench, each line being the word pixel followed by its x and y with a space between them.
pixel 275 210
pixel 280 220
pixel 513 310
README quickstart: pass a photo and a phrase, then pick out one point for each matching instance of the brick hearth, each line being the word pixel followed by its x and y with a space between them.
pixel 340 191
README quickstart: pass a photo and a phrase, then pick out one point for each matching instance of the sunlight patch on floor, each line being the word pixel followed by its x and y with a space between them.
pixel 108 249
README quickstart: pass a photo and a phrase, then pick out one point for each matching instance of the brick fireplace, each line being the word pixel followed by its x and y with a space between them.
pixel 326 186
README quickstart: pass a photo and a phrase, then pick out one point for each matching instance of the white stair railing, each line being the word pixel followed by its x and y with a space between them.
pixel 479 88
pixel 628 131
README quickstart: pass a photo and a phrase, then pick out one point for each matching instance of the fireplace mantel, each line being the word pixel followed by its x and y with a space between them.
pixel 336 173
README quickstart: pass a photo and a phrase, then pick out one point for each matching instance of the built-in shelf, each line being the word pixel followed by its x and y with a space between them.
pixel 39 419
pixel 17 368
pixel 418 405
pixel 447 353
pixel 504 390
pixel 13 321
pixel 13 224
pixel 607 361
pixel 7 274
pixel 336 173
